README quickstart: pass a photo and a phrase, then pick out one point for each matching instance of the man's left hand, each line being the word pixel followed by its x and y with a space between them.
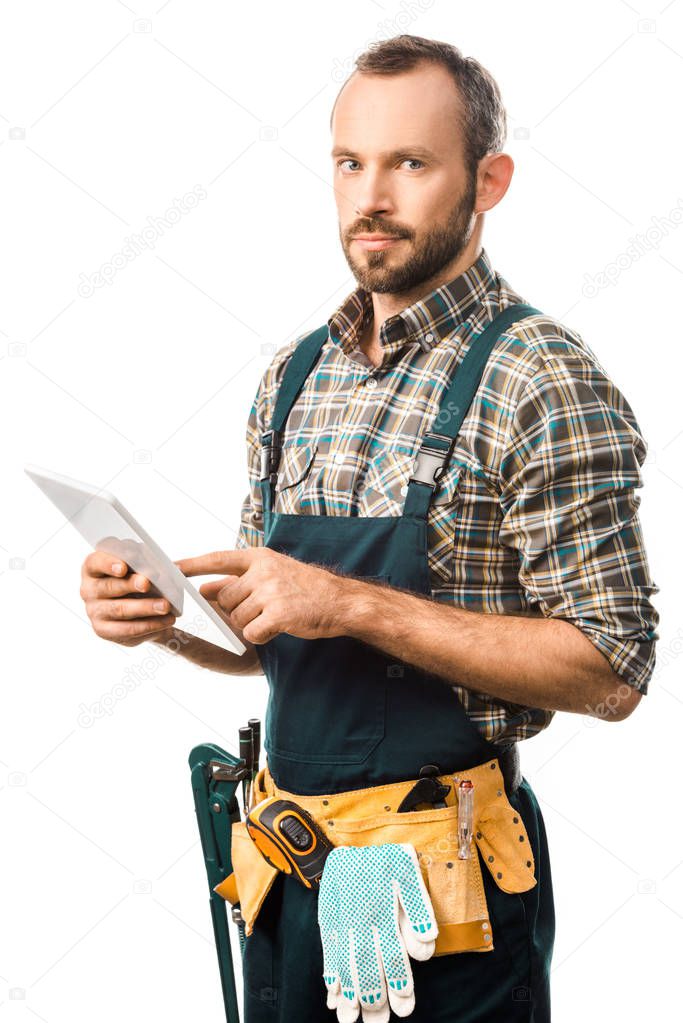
pixel 265 593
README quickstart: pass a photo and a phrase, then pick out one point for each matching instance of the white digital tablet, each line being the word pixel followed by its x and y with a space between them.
pixel 103 521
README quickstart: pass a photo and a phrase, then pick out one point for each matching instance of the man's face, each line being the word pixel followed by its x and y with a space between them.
pixel 398 157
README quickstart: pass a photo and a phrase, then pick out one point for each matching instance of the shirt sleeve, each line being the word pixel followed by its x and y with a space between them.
pixel 569 476
pixel 250 532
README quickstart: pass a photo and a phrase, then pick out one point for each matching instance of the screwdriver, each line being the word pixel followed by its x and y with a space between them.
pixel 246 754
pixel 255 726
pixel 465 818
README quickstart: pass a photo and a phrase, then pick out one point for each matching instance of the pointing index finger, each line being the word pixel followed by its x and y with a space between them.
pixel 217 562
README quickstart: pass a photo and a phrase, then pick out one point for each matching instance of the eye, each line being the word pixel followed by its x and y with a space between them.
pixel 348 160
pixel 411 159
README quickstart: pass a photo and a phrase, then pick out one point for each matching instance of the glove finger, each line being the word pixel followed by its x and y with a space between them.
pixel 330 954
pixel 346 1011
pixel 395 961
pixel 419 945
pixel 414 896
pixel 378 1011
pixel 399 976
pixel 348 1006
pixel 375 1014
pixel 334 997
pixel 328 924
pixel 401 1005
pixel 367 965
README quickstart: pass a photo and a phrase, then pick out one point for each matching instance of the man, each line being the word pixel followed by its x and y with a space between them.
pixel 432 561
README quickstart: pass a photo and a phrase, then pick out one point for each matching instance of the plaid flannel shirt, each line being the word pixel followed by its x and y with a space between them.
pixel 537 513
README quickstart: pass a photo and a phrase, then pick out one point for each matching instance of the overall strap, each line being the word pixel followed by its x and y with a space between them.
pixel 300 364
pixel 437 445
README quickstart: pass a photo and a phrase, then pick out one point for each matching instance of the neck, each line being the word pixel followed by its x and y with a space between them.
pixel 386 304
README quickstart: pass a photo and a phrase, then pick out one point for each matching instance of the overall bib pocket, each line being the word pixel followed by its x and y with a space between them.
pixel 300 667
pixel 299 726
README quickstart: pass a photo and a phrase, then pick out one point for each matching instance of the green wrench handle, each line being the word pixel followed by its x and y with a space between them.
pixel 215 777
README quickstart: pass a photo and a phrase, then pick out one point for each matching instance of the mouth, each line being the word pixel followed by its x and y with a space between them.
pixel 375 241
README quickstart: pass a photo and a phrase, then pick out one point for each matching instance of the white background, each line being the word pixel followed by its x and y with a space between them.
pixel 109 112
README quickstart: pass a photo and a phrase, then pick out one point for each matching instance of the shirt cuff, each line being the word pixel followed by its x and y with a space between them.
pixel 621 624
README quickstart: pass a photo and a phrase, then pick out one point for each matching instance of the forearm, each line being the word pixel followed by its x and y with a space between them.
pixel 208 655
pixel 538 662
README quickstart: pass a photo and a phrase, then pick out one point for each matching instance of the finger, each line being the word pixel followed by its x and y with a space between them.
pixel 233 592
pixel 233 562
pixel 211 588
pixel 246 612
pixel 107 587
pixel 229 596
pixel 262 629
pixel 112 576
pixel 146 627
pixel 126 610
pixel 98 563
pixel 241 606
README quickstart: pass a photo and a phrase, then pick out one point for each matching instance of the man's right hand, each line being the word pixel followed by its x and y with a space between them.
pixel 116 604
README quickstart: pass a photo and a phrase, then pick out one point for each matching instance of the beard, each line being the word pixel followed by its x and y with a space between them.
pixel 443 244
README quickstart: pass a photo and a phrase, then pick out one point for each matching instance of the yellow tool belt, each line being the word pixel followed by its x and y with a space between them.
pixel 369 817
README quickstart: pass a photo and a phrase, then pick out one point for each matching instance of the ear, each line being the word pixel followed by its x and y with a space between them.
pixel 494 175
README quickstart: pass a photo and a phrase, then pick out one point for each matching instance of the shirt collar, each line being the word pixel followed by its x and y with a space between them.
pixel 428 321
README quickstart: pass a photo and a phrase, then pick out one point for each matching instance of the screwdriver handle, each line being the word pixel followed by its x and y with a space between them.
pixel 246 754
pixel 255 726
pixel 246 746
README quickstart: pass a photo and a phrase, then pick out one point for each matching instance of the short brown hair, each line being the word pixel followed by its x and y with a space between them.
pixel 484 121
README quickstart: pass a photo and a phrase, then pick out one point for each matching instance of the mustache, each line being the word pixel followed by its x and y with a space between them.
pixel 375 229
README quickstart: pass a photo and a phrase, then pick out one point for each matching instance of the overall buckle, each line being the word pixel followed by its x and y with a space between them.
pixel 271 446
pixel 432 459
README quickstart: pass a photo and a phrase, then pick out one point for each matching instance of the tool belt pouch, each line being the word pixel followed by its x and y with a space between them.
pixel 369 817
pixel 251 879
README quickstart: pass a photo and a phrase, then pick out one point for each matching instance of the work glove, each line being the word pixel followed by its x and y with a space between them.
pixel 373 912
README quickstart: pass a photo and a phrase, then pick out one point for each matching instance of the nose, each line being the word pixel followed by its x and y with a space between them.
pixel 371 198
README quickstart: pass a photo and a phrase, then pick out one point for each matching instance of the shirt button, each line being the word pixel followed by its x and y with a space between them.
pixel 404 489
pixel 429 338
pixel 371 382
pixel 339 457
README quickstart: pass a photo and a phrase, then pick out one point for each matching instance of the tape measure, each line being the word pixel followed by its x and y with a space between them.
pixel 289 839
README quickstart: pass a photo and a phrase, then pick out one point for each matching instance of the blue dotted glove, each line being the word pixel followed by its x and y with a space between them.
pixel 373 911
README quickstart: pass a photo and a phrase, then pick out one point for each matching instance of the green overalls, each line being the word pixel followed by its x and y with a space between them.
pixel 341 715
